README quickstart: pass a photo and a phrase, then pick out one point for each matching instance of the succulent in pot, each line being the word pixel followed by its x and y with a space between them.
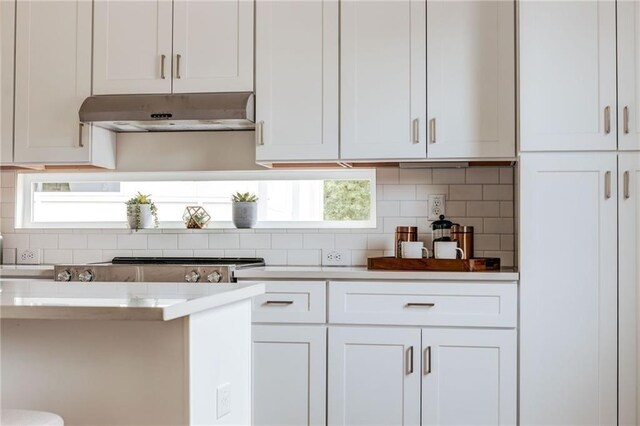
pixel 244 210
pixel 142 213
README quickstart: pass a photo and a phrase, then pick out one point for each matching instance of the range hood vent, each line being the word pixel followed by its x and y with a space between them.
pixel 170 113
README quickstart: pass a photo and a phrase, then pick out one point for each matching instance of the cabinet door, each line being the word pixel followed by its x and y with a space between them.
pixel 568 282
pixel 383 79
pixel 567 78
pixel 628 75
pixel 469 377
pixel 471 94
pixel 289 375
pixel 7 40
pixel 213 46
pixel 132 46
pixel 297 80
pixel 53 77
pixel 374 376
pixel 629 288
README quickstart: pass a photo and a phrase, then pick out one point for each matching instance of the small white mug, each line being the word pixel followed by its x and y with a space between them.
pixel 413 250
pixel 447 250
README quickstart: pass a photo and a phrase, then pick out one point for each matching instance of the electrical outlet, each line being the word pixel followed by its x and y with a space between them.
pixel 224 400
pixel 436 206
pixel 28 256
pixel 336 257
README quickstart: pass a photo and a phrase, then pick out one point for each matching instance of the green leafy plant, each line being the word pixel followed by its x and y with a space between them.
pixel 246 197
pixel 133 208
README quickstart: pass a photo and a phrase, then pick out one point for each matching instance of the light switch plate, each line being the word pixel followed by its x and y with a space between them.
pixel 224 400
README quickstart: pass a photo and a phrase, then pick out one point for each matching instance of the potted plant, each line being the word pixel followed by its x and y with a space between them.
pixel 245 210
pixel 141 212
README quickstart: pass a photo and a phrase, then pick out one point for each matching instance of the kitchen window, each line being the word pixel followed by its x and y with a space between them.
pixel 287 199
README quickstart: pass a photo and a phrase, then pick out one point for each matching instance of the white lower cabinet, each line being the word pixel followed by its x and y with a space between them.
pixel 289 375
pixel 7 28
pixel 469 377
pixel 374 376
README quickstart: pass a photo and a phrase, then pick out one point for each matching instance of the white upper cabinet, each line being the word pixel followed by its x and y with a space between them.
pixel 181 46
pixel 297 80
pixel 629 288
pixel 374 376
pixel 7 17
pixel 132 47
pixel 628 75
pixel 53 77
pixel 213 46
pixel 568 289
pixel 568 77
pixel 470 79
pixel 383 79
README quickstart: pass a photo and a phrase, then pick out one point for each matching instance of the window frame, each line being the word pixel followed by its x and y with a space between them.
pixel 25 195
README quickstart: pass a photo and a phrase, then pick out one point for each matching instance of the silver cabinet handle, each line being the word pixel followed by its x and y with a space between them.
pixel 259 133
pixel 427 360
pixel 162 61
pixel 625 120
pixel 625 179
pixel 607 120
pixel 416 130
pixel 409 360
pixel 432 130
pixel 80 131
pixel 419 305
pixel 178 57
pixel 607 185
pixel 279 302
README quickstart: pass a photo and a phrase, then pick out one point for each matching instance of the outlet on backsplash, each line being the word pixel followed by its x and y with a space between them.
pixel 336 257
pixel 28 256
pixel 436 206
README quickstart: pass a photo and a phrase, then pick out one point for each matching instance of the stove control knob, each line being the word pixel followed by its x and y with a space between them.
pixel 64 275
pixel 214 277
pixel 192 277
pixel 86 276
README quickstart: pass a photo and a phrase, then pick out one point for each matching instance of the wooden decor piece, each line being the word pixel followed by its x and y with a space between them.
pixel 427 264
pixel 195 217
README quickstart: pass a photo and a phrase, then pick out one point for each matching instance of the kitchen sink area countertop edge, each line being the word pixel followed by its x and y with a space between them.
pixel 22 298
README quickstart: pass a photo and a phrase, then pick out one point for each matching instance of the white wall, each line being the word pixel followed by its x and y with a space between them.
pixel 480 197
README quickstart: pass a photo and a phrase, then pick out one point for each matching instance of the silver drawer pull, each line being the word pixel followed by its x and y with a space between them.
pixel 279 302
pixel 607 120
pixel 409 363
pixel 419 305
pixel 427 360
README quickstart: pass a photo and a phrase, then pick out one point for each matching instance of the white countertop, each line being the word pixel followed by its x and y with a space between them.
pixel 44 299
pixel 32 271
pixel 362 273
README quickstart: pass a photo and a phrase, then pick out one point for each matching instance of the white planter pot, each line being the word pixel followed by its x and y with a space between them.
pixel 146 218
pixel 244 214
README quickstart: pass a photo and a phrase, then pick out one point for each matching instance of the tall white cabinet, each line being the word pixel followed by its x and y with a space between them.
pixel 180 46
pixel 297 80
pixel 7 44
pixel 52 79
pixel 471 79
pixel 383 92
pixel 629 287
pixel 567 77
pixel 628 24
pixel 568 297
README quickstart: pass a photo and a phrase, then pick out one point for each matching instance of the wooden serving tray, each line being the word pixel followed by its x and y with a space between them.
pixel 456 265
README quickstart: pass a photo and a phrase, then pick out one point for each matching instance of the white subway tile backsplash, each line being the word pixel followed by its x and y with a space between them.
pixel 147 253
pixel 8 256
pixel 286 241
pixel 479 197
pixel 164 241
pixel 72 241
pixel 318 241
pixel 255 241
pixel 193 241
pixel 132 241
pixel 449 176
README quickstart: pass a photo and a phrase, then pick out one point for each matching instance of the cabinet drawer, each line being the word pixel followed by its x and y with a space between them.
pixel 291 302
pixel 439 304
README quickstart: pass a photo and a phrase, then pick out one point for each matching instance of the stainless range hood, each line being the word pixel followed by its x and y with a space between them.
pixel 170 113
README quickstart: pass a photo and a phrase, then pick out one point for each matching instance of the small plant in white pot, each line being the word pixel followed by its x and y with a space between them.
pixel 245 210
pixel 141 212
